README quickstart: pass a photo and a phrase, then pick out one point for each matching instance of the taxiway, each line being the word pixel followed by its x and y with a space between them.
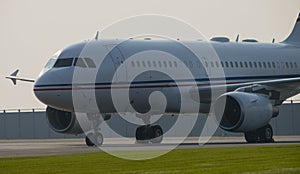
pixel 42 147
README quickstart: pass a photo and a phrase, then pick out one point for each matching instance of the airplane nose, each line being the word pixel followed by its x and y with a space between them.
pixel 54 89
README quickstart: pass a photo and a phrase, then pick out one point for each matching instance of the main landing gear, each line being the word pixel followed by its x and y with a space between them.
pixel 261 135
pixel 149 134
pixel 95 138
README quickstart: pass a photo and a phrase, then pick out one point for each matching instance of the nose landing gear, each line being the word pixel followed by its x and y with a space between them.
pixel 95 138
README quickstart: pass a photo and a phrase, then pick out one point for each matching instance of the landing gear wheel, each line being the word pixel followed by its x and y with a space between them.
pixel 157 134
pixel 141 134
pixel 94 139
pixel 251 137
pixel 88 141
pixel 266 134
pixel 261 135
pixel 98 139
pixel 145 134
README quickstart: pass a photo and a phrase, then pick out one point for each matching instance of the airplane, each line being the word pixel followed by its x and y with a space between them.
pixel 248 78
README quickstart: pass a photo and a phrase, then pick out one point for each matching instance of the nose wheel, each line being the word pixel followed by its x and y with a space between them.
pixel 149 134
pixel 94 139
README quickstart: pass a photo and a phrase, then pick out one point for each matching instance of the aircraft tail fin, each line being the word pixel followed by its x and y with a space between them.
pixel 294 37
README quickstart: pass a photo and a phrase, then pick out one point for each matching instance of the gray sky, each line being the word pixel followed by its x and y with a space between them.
pixel 33 30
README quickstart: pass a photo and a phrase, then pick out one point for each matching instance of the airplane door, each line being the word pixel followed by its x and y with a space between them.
pixel 118 61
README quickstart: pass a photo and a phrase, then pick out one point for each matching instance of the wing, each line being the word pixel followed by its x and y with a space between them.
pixel 279 89
pixel 13 77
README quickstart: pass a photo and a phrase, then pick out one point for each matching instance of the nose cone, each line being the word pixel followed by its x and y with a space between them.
pixel 54 88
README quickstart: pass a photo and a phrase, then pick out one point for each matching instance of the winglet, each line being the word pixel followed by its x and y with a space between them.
pixel 12 75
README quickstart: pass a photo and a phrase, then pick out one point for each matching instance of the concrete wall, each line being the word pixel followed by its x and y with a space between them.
pixel 33 125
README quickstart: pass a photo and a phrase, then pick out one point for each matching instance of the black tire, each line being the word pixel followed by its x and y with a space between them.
pixel 251 137
pixel 140 133
pixel 94 139
pixel 156 134
pixel 266 134
pixel 98 139
pixel 88 142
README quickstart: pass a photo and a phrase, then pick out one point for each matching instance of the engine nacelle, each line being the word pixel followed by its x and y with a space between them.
pixel 243 112
pixel 63 121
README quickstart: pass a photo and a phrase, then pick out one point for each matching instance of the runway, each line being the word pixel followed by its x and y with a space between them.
pixel 41 147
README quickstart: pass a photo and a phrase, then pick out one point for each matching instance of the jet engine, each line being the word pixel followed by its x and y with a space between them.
pixel 243 112
pixel 63 121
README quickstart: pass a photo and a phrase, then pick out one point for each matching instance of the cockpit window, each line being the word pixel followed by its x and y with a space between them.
pixel 79 62
pixel 50 63
pixel 90 62
pixel 63 62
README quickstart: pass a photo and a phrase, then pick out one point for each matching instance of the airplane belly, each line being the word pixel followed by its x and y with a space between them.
pixel 158 100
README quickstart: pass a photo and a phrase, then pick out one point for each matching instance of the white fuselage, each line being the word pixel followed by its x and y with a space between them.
pixel 141 67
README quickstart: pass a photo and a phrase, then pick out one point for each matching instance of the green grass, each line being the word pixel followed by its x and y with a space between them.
pixel 259 159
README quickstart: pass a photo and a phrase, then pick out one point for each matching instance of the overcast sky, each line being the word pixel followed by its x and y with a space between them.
pixel 33 30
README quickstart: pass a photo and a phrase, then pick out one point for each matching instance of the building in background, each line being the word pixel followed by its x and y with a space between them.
pixel 32 124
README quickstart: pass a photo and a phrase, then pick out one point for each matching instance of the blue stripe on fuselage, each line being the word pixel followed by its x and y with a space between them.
pixel 245 78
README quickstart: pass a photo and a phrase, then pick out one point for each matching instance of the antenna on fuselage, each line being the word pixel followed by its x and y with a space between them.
pixel 97 34
pixel 273 40
pixel 237 38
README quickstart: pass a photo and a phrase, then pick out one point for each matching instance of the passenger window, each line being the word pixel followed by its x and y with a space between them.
pixel 144 64
pixel 291 65
pixel 222 64
pixel 63 62
pixel 259 64
pixel 250 64
pixel 236 64
pixel 217 64
pixel 241 64
pixel 273 64
pixel 79 63
pixel 226 64
pixel 269 65
pixel 90 62
pixel 165 64
pixel 206 64
pixel 212 64
pixel 175 64
pixel 132 64
pixel 231 64
pixel 138 63
pixel 159 64
pixel 295 65
pixel 149 63
pixel 264 63
pixel 255 65
pixel 246 64
pixel 287 65
pixel 154 64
